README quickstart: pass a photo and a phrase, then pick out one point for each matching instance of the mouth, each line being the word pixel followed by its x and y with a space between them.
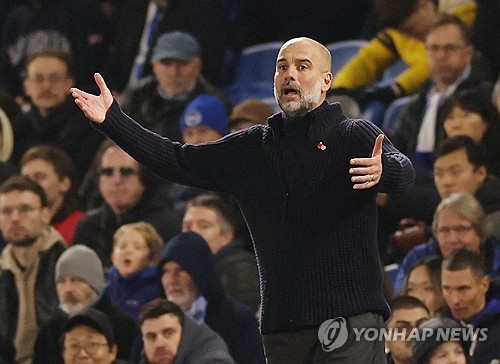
pixel 290 91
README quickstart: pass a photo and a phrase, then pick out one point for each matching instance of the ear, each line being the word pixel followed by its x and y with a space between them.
pixel 326 81
pixel 482 172
pixel 26 86
pixel 70 82
pixel 46 215
pixel 113 353
pixel 65 184
pixel 485 284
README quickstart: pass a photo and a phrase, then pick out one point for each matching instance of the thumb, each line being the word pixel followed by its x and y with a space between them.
pixel 377 149
pixel 101 84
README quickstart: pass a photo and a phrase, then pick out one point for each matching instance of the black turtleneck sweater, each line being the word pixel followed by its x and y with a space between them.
pixel 314 235
pixel 294 133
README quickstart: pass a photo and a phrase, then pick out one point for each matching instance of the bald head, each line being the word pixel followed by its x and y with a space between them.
pixel 323 52
pixel 303 76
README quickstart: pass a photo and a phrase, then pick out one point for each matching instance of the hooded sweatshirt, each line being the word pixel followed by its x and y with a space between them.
pixel 231 319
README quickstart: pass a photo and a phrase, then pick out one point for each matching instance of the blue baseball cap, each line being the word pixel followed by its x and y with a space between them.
pixel 205 110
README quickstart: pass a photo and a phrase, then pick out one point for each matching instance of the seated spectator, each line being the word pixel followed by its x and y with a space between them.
pixel 433 347
pixel 204 120
pixel 170 336
pixel 141 24
pixel 473 298
pixel 424 282
pixel 27 290
pixel 460 165
pixel 210 217
pixel 130 193
pixel 89 336
pixel 453 69
pixel 189 279
pixel 407 313
pixel 471 113
pixel 249 112
pixel 54 118
pixel 459 222
pixel 53 169
pixel 133 278
pixel 32 26
pixel 79 277
pixel 404 26
pixel 158 101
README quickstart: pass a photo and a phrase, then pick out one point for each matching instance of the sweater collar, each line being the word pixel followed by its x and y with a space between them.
pixel 276 121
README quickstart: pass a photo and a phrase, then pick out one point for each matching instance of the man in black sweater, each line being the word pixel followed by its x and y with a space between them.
pixel 309 203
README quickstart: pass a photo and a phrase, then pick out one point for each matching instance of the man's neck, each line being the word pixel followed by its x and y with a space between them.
pixel 25 255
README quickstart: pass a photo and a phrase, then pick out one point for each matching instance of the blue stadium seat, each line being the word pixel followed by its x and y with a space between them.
pixel 394 70
pixel 393 112
pixel 254 73
pixel 391 271
pixel 343 51
pixel 257 63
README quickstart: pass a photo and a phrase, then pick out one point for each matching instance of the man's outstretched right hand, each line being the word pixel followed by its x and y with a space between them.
pixel 94 107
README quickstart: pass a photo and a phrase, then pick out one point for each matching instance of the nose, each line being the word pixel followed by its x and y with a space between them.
pixel 168 279
pixel 418 294
pixel 290 73
pixel 82 354
pixel 453 298
pixel 66 286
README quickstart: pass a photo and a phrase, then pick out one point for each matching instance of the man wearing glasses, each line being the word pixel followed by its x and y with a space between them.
pixel 130 194
pixel 51 117
pixel 459 222
pixel 28 294
pixel 88 336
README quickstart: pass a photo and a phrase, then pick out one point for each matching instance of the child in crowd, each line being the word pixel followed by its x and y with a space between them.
pixel 133 279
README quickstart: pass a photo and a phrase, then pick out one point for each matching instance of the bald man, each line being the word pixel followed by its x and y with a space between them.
pixel 308 200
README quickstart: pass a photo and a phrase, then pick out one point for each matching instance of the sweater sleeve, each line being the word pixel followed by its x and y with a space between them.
pixel 208 165
pixel 398 174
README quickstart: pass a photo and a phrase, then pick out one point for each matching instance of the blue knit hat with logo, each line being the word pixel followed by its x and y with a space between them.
pixel 205 110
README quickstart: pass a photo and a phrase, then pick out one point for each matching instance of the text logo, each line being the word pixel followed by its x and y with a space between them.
pixel 332 334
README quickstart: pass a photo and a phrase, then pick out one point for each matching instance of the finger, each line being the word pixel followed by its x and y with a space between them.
pixel 361 171
pixel 377 149
pixel 364 186
pixel 365 161
pixel 101 83
pixel 364 178
pixel 77 93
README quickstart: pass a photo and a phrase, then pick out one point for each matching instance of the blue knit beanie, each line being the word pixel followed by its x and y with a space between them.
pixel 205 110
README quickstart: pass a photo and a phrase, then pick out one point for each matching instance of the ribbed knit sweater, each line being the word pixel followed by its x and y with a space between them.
pixel 314 236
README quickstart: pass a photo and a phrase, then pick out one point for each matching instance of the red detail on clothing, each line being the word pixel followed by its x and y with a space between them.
pixel 67 226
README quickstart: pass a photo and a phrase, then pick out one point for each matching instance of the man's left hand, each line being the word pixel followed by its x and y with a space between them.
pixel 367 171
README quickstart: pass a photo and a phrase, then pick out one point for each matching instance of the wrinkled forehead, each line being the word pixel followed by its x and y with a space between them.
pixel 306 49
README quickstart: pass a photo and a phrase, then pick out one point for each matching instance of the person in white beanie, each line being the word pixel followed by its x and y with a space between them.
pixel 80 283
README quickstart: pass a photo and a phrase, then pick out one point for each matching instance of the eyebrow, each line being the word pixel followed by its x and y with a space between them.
pixel 301 60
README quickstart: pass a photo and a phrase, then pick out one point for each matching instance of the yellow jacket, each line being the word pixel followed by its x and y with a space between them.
pixel 386 48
